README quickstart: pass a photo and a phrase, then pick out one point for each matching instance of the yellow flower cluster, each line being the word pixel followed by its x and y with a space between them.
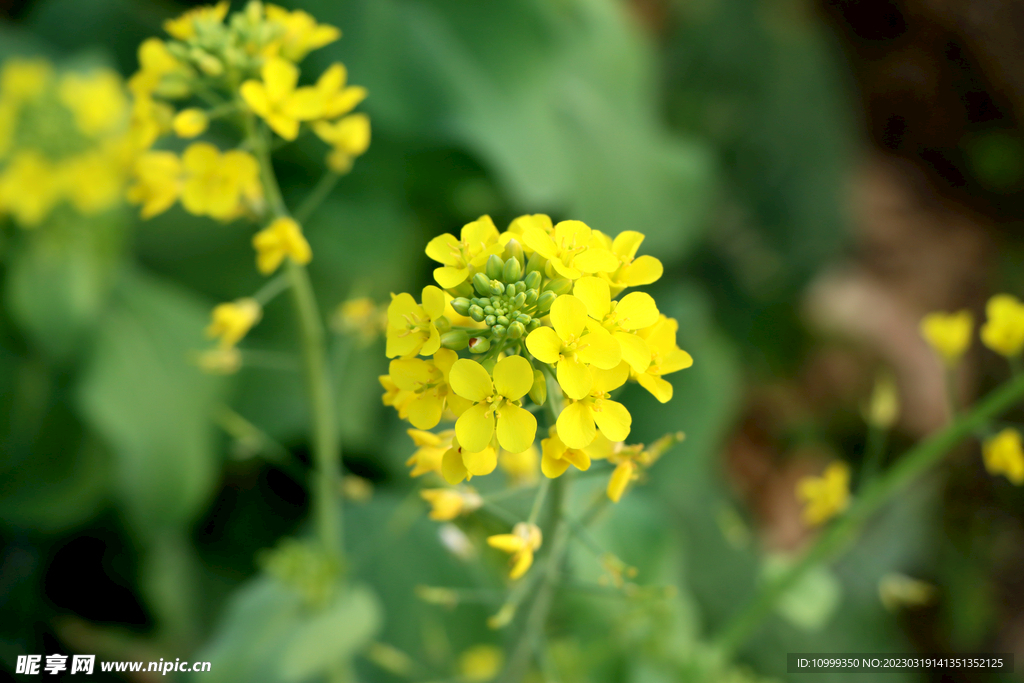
pixel 949 334
pixel 235 68
pixel 825 496
pixel 64 138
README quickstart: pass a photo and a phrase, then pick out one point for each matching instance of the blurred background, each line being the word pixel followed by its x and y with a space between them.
pixel 815 175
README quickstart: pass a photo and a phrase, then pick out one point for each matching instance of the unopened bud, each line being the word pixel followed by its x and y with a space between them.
pixel 531 296
pixel 516 330
pixel 539 390
pixel 502 320
pixel 456 340
pixel 498 330
pixel 461 305
pixel 512 270
pixel 533 280
pixel 476 313
pixel 514 250
pixel 512 289
pixel 494 267
pixel 479 344
pixel 490 320
pixel 559 286
pixel 481 284
pixel 497 287
pixel 519 301
pixel 536 264
pixel 463 289
pixel 442 324
pixel 208 64
pixel 544 302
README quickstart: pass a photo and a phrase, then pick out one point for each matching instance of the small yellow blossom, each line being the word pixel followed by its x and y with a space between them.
pixel 1003 332
pixel 573 348
pixel 477 241
pixel 1003 454
pixel 459 464
pixel 217 185
pixel 629 459
pixel 496 408
pixel 150 119
pixel 427 381
pixel 186 26
pixel 300 34
pixel 159 177
pixel 278 102
pixel 281 239
pixel 155 63
pixel 557 456
pixel 29 188
pixel 522 543
pixel 232 321
pixel 579 421
pixel 190 123
pixel 633 271
pixel 411 326
pixel 23 80
pixel 430 449
pixel 622 318
pixel 568 249
pixel 666 358
pixel 825 496
pixel 96 100
pixel 336 96
pixel 480 663
pixel 92 181
pixel 948 333
pixel 349 138
pixel 447 504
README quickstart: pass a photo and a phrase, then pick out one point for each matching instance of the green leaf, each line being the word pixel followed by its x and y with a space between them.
pixel 810 603
pixel 139 392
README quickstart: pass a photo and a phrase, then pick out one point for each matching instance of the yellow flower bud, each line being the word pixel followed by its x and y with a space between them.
pixel 825 496
pixel 948 333
pixel 621 477
pixel 1003 332
pixel 232 321
pixel 190 123
pixel 447 504
pixel 884 408
pixel 1003 454
pixel 282 238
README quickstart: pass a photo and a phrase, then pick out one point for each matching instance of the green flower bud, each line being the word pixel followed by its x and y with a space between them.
pixel 536 264
pixel 510 290
pixel 464 289
pixel 490 320
pixel 480 301
pixel 489 310
pixel 479 344
pixel 494 267
pixel 559 286
pixel 512 270
pixel 534 324
pixel 516 330
pixel 497 287
pixel 498 330
pixel 539 390
pixel 481 284
pixel 519 301
pixel 502 320
pixel 523 318
pixel 476 313
pixel 442 324
pixel 533 280
pixel 531 296
pixel 455 340
pixel 514 250
pixel 461 305
pixel 544 302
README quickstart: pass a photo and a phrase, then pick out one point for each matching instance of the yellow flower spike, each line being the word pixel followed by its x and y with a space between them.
pixel 190 123
pixel 430 449
pixel 624 473
pixel 159 177
pixel 277 101
pixel 281 239
pixel 522 543
pixel 336 97
pixel 949 334
pixel 184 26
pixel 825 496
pixel 666 358
pixel 349 138
pixel 557 457
pixel 578 423
pixel 1004 454
pixel 447 504
pixel 29 188
pixel 496 407
pixel 477 241
pixel 568 249
pixel 217 185
pixel 411 329
pixel 622 318
pixel 521 468
pixel 1003 332
pixel 232 321
pixel 301 34
pixel 480 663
pixel 572 348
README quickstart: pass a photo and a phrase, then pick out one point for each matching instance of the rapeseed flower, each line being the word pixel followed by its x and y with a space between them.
pixel 557 456
pixel 159 177
pixel 281 239
pixel 826 496
pixel 300 34
pixel 278 102
pixel 1003 331
pixel 466 254
pixel 430 449
pixel 632 270
pixel 621 318
pixel 496 408
pixel 568 249
pixel 219 185
pixel 447 504
pixel 522 543
pixel 412 327
pixel 459 463
pixel 349 137
pixel 666 358
pixel 190 123
pixel 427 380
pixel 949 334
pixel 1004 454
pixel 579 421
pixel 232 321
pixel 189 24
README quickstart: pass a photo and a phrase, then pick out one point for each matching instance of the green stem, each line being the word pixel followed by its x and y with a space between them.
pixel 538 501
pixel 836 537
pixel 271 289
pixel 316 196
pixel 874 454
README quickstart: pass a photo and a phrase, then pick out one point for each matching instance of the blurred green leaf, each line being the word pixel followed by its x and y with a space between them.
pixel 812 601
pixel 140 394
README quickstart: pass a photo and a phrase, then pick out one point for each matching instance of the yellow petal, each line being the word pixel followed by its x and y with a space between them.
pixel 634 350
pixel 544 345
pixel 658 387
pixel 539 241
pixel 433 301
pixel 255 95
pixel 521 564
pixel 636 310
pixel 480 232
pixel 572 233
pixel 621 477
pixel 449 277
pixel 574 377
pixel 432 344
pixel 576 426
pixel 600 349
pixel 452 468
pixel 642 271
pixel 474 427
pixel 626 243
pixel 480 463
pixel 677 359
pixel 553 467
pixel 425 410
pixel 513 378
pixel 280 77
pixel 470 380
pixel 596 261
pixel 509 543
pixel 411 374
pixel 595 294
pixel 613 419
pixel 606 381
pixel 578 458
pixel 516 428
pixel 444 249
pixel 568 316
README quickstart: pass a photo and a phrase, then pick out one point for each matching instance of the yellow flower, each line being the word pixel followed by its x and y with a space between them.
pixel 394 396
pixel 480 663
pixel 278 102
pixel 149 120
pixel 411 329
pixel 624 473
pixel 216 184
pixel 572 347
pixel 557 456
pixel 496 406
pixel 190 123
pixel 622 318
pixel 185 26
pixel 632 271
pixel 522 543
pixel 338 98
pixel 459 463
pixel 232 321
pixel 29 188
pixel 156 62
pixel 282 238
pixel 948 333
pixel 825 496
pixel 361 317
pixel 92 180
pixel 97 101
pixel 1004 455
pixel 428 382
pixel 1003 332
pixel 23 80
pixel 666 358
pixel 521 468
pixel 579 421
pixel 301 34
pixel 158 180
pixel 349 137
pixel 447 504
pixel 430 449
pixel 568 249
pixel 479 240
pixel 629 459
